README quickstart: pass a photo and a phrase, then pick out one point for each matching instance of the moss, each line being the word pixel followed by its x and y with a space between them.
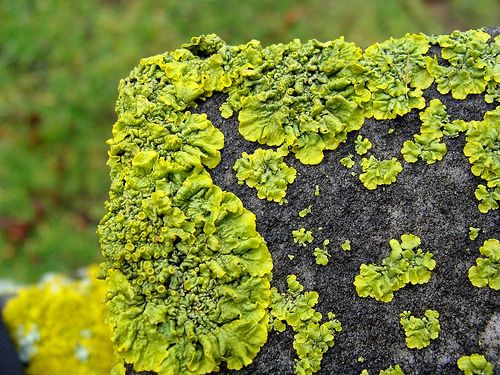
pixel 50 337
pixel 420 331
pixel 265 171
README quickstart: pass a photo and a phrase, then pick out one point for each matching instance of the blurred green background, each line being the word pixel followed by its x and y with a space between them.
pixel 60 63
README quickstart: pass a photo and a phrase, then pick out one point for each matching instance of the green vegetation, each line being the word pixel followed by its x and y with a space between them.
pixel 405 264
pixel 265 171
pixel 475 364
pixel 379 172
pixel 312 338
pixel 420 331
pixel 487 269
pixel 302 237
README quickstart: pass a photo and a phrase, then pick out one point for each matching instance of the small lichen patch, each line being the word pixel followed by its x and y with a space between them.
pixel 312 338
pixel 302 237
pixel 420 331
pixel 362 145
pixel 379 172
pixel 406 263
pixel 473 233
pixel 427 145
pixel 347 161
pixel 346 245
pixel 475 364
pixel 265 171
pixel 487 269
pixel 306 211
pixel 322 254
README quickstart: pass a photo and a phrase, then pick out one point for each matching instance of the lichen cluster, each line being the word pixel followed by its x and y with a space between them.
pixel 312 338
pixel 486 272
pixel 406 263
pixel 265 171
pixel 58 326
pixel 475 364
pixel 420 331
pixel 188 275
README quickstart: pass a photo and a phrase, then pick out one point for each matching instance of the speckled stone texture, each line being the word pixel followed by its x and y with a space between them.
pixel 435 202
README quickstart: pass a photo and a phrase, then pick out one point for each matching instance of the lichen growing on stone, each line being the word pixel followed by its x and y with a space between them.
pixel 302 97
pixel 487 269
pixel 395 73
pixel 427 145
pixel 265 171
pixel 379 172
pixel 475 364
pixel 420 331
pixel 312 338
pixel 391 370
pixel 322 254
pixel 467 70
pixel 406 263
pixel 362 145
pixel 302 237
pixel 58 326
pixel 483 150
pixel 188 275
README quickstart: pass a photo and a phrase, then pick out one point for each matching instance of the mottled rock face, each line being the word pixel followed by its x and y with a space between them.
pixel 435 202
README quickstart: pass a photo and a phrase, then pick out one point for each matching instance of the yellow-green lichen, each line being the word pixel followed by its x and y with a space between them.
pixel 58 326
pixel 427 145
pixel 487 269
pixel 312 338
pixel 473 233
pixel 346 245
pixel 467 71
pixel 420 331
pixel 406 263
pixel 347 161
pixel 362 145
pixel 379 172
pixel 265 171
pixel 395 73
pixel 322 254
pixel 302 237
pixel 306 211
pixel 475 364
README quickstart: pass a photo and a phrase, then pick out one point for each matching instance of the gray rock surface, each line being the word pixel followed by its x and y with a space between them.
pixel 435 202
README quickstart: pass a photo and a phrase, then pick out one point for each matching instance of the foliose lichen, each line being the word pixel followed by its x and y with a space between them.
pixel 302 237
pixel 475 364
pixel 50 337
pixel 322 254
pixel 420 331
pixel 487 269
pixel 406 263
pixel 312 338
pixel 266 171
pixel 391 370
pixel 188 275
pixel 379 172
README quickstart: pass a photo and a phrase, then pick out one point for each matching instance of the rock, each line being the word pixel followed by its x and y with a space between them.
pixel 435 202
